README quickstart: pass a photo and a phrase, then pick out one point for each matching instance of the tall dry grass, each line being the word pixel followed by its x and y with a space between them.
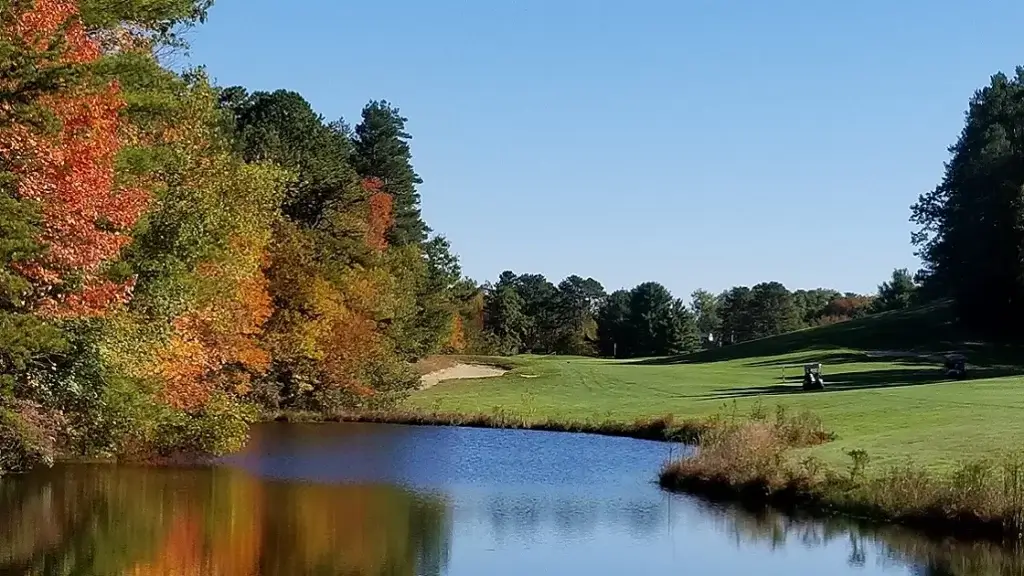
pixel 754 460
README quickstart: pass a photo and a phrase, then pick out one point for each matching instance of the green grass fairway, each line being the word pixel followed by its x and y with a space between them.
pixel 894 408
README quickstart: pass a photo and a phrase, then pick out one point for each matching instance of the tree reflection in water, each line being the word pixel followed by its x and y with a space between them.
pixel 214 522
pixel 894 545
pixel 101 520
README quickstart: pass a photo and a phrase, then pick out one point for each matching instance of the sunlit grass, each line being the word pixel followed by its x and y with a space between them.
pixel 895 409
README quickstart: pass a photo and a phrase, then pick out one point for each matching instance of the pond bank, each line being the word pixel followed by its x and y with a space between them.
pixel 753 462
pixel 664 428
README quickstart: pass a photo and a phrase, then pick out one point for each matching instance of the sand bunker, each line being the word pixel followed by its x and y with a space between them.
pixel 460 372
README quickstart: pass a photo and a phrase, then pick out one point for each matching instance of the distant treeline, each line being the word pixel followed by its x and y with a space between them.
pixel 529 314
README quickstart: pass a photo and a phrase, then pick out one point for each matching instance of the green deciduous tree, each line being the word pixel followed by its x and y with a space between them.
pixel 811 304
pixel 705 306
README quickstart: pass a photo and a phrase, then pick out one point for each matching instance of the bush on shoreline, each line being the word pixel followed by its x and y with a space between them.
pixel 27 437
pixel 753 461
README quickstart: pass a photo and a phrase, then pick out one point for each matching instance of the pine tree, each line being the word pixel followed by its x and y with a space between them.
pixel 971 234
pixel 504 318
pixel 382 151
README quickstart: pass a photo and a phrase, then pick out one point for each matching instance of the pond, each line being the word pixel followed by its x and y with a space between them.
pixel 372 499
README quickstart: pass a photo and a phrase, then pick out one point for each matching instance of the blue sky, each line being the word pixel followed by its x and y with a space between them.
pixel 696 143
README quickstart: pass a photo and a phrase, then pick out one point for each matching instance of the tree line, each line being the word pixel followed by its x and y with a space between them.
pixel 529 314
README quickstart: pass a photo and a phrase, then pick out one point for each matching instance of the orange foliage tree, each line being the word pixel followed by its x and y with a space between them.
pixel 328 338
pixel 217 347
pixel 195 325
pixel 457 340
pixel 69 172
pixel 381 216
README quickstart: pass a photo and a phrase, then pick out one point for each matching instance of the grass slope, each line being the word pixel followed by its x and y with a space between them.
pixel 897 409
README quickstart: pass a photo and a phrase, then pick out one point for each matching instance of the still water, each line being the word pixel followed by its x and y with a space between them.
pixel 354 500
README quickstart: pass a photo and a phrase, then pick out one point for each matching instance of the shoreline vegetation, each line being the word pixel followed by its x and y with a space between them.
pixel 757 461
pixel 663 428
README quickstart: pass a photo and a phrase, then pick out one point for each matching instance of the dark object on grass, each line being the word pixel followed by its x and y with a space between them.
pixel 812 377
pixel 956 366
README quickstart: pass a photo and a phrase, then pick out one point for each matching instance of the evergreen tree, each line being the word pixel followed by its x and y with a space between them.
pixel 685 336
pixel 971 234
pixel 283 128
pixel 772 310
pixel 735 311
pixel 613 330
pixel 575 308
pixel 382 151
pixel 540 300
pixel 436 297
pixel 897 293
pixel 504 318
pixel 660 324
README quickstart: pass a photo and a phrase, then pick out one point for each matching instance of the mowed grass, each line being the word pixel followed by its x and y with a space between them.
pixel 896 409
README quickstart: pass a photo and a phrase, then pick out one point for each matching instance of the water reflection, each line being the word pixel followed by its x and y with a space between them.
pixel 369 500
pixel 101 520
pixel 892 546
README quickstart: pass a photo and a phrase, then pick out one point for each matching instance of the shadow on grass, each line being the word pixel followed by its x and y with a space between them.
pixel 865 380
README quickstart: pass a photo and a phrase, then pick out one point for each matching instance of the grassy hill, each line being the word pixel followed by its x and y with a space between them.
pixel 884 394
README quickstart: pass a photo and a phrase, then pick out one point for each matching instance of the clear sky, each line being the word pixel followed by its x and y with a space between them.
pixel 697 143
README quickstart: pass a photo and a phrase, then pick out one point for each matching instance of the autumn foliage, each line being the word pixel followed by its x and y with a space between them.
pixel 381 215
pixel 191 269
pixel 87 215
pixel 217 347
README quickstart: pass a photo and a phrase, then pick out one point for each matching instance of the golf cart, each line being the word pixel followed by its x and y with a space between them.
pixel 812 377
pixel 956 366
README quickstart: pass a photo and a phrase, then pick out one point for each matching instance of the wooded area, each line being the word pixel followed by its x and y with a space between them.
pixel 178 255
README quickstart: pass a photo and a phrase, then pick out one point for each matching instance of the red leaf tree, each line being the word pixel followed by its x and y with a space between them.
pixel 69 172
pixel 381 216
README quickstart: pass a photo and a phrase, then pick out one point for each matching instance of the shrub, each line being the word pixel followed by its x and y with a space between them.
pixel 221 426
pixel 28 437
pixel 753 457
